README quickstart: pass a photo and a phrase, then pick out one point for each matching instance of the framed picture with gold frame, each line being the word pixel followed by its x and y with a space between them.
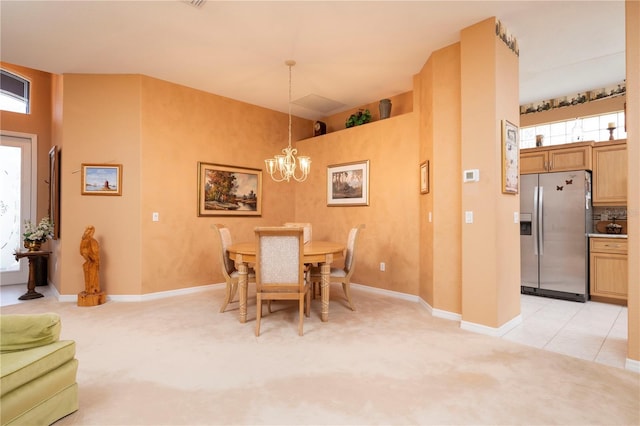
pixel 229 190
pixel 101 179
pixel 54 190
pixel 510 157
pixel 424 177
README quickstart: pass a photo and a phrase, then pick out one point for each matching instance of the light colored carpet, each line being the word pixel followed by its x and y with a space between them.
pixel 177 361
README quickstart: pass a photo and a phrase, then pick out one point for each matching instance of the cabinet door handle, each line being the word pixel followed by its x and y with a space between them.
pixel 612 245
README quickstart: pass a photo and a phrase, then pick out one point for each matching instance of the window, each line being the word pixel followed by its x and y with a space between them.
pixel 594 128
pixel 14 93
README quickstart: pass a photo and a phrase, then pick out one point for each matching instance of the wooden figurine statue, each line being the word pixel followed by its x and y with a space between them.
pixel 90 250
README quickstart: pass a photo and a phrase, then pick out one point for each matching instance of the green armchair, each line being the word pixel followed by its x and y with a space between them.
pixel 38 383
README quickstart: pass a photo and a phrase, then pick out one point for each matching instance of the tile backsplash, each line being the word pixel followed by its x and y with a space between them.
pixel 608 213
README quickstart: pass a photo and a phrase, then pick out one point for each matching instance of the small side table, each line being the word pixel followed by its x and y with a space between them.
pixel 31 285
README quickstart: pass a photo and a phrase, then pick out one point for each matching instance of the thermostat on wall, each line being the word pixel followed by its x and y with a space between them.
pixel 471 175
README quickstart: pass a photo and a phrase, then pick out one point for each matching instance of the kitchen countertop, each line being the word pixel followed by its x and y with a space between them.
pixel 607 235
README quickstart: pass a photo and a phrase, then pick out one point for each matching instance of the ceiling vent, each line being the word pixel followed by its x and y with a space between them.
pixel 318 103
pixel 195 3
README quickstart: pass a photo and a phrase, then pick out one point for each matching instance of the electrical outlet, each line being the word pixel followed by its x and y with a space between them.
pixel 155 217
pixel 382 266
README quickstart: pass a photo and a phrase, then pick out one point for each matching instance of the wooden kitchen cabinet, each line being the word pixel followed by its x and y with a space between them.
pixel 561 158
pixel 610 173
pixel 608 278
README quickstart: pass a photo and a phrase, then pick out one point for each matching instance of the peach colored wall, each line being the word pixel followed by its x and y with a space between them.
pixel 446 175
pixel 423 94
pixel 633 148
pixel 101 124
pixel 159 131
pixel 400 104
pixel 180 127
pixel 506 232
pixel 490 260
pixel 37 122
pixel 391 219
pixel 439 87
pixel 57 84
pixel 601 106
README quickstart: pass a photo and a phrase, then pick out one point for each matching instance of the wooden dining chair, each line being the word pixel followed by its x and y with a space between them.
pixel 280 270
pixel 229 271
pixel 341 275
pixel 304 225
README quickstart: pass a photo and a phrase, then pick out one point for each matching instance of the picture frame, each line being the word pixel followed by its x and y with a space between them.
pixel 424 177
pixel 348 184
pixel 225 190
pixel 510 158
pixel 101 179
pixel 54 190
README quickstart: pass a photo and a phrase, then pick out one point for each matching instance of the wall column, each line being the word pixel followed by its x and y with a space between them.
pixel 632 14
pixel 490 255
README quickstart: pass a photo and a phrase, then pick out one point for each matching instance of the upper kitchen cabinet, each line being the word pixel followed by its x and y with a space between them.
pixel 562 158
pixel 610 173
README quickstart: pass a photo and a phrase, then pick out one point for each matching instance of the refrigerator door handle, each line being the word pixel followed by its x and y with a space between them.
pixel 534 222
pixel 541 216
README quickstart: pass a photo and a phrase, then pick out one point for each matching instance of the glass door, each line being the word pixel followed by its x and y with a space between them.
pixel 17 201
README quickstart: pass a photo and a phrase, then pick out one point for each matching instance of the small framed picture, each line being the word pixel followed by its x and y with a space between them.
pixel 424 177
pixel 229 190
pixel 348 184
pixel 101 179
pixel 510 156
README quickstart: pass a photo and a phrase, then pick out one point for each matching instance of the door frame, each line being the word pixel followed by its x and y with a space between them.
pixel 21 276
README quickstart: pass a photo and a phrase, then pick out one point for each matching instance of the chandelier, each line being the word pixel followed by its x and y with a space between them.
pixel 283 166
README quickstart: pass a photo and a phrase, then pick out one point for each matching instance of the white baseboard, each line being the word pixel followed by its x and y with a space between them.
pixel 492 331
pixel 439 313
pixel 390 293
pixel 140 297
pixel 632 365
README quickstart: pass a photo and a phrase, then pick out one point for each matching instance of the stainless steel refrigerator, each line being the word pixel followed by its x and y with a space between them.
pixel 555 220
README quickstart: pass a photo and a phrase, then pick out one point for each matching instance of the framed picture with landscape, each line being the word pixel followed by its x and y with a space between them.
pixel 101 179
pixel 348 184
pixel 229 190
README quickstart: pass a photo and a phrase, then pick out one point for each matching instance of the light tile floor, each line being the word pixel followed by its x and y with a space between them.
pixel 593 331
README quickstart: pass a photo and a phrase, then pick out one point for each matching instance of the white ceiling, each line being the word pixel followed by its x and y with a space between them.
pixel 349 52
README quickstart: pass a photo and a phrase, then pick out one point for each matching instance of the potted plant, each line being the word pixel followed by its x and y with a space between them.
pixel 358 118
pixel 34 236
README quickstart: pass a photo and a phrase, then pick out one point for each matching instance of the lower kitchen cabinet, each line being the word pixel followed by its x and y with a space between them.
pixel 608 278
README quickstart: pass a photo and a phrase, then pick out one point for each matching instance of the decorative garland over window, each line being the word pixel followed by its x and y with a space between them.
pixel 588 96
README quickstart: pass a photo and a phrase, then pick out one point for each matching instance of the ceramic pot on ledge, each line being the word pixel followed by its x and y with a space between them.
pixel 385 108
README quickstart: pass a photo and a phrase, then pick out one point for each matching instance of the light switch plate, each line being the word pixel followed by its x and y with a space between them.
pixel 468 217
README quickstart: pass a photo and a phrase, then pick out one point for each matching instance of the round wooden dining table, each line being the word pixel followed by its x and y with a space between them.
pixel 320 252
